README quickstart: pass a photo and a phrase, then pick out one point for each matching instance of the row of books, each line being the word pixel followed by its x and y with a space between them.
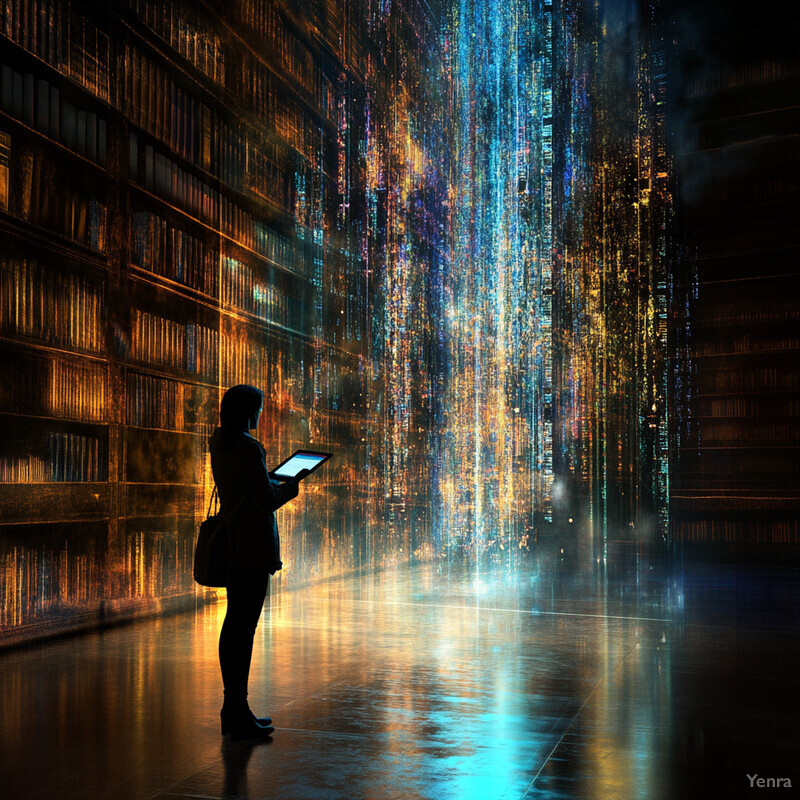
pixel 38 104
pixel 184 346
pixel 249 165
pixel 254 169
pixel 165 177
pixel 194 38
pixel 166 404
pixel 279 42
pixel 71 211
pixel 242 361
pixel 50 305
pixel 54 577
pixel 296 128
pixel 74 457
pixel 261 16
pixel 69 42
pixel 153 402
pixel 242 289
pixel 38 26
pixel 281 250
pixel 767 531
pixel 296 59
pixel 52 387
pixel 77 390
pixel 747 430
pixel 751 406
pixel 154 102
pixel 158 563
pixel 166 250
pixel 258 87
pixel 737 379
pixel 25 469
pixel 745 343
pixel 71 457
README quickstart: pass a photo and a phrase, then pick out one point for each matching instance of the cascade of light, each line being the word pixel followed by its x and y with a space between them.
pixel 613 261
pixel 497 443
pixel 405 200
pixel 556 298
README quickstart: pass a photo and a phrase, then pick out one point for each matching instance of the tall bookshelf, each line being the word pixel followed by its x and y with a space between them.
pixel 182 208
pixel 737 493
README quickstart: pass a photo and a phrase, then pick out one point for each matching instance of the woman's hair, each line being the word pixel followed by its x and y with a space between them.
pixel 239 404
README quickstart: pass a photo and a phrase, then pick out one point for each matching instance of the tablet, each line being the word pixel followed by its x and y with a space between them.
pixel 300 460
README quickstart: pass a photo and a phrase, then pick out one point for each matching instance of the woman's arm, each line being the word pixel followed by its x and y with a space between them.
pixel 266 492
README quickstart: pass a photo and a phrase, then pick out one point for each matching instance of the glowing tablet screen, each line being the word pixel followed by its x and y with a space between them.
pixel 298 461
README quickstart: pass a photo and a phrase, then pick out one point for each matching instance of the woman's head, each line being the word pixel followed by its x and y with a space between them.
pixel 240 407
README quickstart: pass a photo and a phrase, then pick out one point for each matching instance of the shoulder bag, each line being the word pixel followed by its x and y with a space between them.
pixel 211 550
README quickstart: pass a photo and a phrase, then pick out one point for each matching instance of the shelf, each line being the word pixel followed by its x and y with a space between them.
pixel 38 236
pixel 266 325
pixel 35 503
pixel 218 233
pixel 295 91
pixel 149 369
pixel 60 421
pixel 155 280
pixel 25 344
pixel 46 69
pixel 60 147
pixel 249 201
pixel 220 96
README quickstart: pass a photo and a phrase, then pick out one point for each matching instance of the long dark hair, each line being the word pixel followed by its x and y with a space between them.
pixel 239 405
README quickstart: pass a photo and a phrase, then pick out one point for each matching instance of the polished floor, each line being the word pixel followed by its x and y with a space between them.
pixel 430 682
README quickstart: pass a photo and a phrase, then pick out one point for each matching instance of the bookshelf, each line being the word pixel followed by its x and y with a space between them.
pixel 737 493
pixel 184 205
pixel 176 216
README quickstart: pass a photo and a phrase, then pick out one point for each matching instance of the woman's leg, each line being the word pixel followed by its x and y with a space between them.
pixel 247 589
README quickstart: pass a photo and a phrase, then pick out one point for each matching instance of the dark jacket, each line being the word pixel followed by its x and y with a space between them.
pixel 238 463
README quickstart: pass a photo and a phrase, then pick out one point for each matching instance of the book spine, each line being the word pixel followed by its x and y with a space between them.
pixel 55 113
pixel 28 112
pixel 43 105
pixel 5 176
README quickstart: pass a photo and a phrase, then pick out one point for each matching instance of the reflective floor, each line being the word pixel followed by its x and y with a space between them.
pixel 430 682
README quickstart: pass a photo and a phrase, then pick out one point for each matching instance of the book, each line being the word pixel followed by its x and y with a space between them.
pixel 36 103
pixel 50 306
pixel 42 121
pixel 69 126
pixel 28 106
pixel 5 161
pixel 188 347
pixel 91 136
pixel 55 113
pixel 80 131
pixel 7 89
pixel 16 95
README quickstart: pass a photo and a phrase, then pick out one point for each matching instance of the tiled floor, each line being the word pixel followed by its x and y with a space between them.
pixel 429 683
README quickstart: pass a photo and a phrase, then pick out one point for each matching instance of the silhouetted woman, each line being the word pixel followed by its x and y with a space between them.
pixel 249 498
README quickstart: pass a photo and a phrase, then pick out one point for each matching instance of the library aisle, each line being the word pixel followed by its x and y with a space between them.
pixel 427 683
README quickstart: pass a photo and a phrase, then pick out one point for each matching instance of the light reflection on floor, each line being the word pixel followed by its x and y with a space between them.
pixel 425 683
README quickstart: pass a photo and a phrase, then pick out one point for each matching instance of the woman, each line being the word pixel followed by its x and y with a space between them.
pixel 249 498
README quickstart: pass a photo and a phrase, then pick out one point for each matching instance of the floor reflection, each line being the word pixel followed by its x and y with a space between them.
pixel 429 682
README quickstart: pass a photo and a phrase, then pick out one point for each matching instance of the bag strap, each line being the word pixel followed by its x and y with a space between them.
pixel 215 495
